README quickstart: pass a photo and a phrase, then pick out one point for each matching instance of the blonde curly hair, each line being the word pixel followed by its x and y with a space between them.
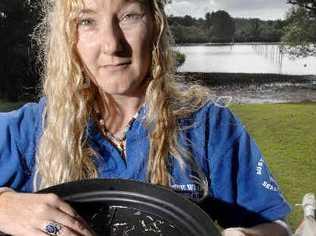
pixel 64 153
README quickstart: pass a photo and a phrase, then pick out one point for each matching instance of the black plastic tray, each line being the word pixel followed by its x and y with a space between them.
pixel 130 208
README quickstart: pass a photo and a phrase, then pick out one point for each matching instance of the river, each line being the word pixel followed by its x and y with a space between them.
pixel 252 58
pixel 244 58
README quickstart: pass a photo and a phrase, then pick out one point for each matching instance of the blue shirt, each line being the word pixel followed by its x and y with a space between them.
pixel 242 191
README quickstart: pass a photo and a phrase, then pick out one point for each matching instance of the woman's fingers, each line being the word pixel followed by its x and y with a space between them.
pixel 65 207
pixel 68 222
pixel 33 232
pixel 63 214
pixel 57 202
pixel 233 232
pixel 29 214
pixel 29 232
pixel 59 229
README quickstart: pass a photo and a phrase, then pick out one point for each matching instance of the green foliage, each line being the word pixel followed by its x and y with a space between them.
pixel 218 27
pixel 299 37
pixel 180 58
pixel 271 31
pixel 286 135
pixel 17 67
pixel 190 30
pixel 256 30
pixel 221 27
pixel 188 34
pixel 309 5
pixel 187 30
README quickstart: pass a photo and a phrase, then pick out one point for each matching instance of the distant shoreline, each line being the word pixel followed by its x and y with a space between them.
pixel 243 79
pixel 227 44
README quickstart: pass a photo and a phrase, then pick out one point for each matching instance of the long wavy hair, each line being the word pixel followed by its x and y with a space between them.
pixel 64 153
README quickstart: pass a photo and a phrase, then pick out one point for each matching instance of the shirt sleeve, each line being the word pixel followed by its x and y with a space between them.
pixel 244 192
pixel 18 131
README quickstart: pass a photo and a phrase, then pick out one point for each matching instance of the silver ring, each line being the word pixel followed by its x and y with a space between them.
pixel 52 229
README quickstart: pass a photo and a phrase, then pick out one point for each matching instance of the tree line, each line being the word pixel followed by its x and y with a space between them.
pixel 18 67
pixel 18 70
pixel 220 27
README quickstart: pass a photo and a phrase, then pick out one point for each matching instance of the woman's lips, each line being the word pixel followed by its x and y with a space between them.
pixel 113 67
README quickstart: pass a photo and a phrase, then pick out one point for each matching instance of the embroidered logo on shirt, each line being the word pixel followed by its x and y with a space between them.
pixel 260 166
pixel 270 186
pixel 267 184
pixel 191 191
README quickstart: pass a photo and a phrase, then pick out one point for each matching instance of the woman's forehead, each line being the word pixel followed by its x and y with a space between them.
pixel 96 4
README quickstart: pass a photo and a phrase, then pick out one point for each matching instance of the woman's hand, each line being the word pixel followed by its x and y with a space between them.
pixel 233 232
pixel 265 229
pixel 28 214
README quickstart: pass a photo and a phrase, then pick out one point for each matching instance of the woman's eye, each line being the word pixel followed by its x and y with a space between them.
pixel 132 17
pixel 86 22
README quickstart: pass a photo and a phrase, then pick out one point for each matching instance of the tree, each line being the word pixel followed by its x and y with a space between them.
pixel 309 5
pixel 188 34
pixel 255 29
pixel 221 27
pixel 16 58
pixel 188 29
pixel 188 20
pixel 299 37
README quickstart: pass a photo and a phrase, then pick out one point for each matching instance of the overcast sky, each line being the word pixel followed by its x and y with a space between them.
pixel 264 9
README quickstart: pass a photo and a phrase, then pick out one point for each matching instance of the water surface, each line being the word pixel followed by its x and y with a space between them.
pixel 244 58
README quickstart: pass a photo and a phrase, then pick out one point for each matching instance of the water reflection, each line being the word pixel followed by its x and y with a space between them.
pixel 272 53
pixel 244 58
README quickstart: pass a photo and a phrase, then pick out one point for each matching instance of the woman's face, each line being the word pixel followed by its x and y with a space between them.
pixel 115 43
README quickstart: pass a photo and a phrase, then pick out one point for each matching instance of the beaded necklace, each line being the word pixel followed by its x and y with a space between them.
pixel 119 143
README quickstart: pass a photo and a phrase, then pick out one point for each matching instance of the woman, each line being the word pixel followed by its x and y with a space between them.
pixel 112 108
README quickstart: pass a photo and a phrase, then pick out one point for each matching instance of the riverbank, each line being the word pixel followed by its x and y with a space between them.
pixel 245 88
pixel 244 79
pixel 256 88
pixel 225 44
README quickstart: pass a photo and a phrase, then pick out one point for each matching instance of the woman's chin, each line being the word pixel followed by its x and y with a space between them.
pixel 118 84
pixel 120 90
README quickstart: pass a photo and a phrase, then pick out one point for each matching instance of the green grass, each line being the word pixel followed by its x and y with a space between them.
pixel 286 134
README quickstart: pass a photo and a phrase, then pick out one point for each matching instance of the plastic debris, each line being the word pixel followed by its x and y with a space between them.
pixel 308 225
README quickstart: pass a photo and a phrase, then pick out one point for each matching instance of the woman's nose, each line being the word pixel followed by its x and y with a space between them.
pixel 111 39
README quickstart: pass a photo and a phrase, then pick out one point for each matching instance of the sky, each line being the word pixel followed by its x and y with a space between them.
pixel 263 9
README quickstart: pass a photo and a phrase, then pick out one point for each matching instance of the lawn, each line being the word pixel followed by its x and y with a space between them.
pixel 286 134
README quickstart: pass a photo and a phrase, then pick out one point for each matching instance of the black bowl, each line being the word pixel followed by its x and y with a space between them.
pixel 125 207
